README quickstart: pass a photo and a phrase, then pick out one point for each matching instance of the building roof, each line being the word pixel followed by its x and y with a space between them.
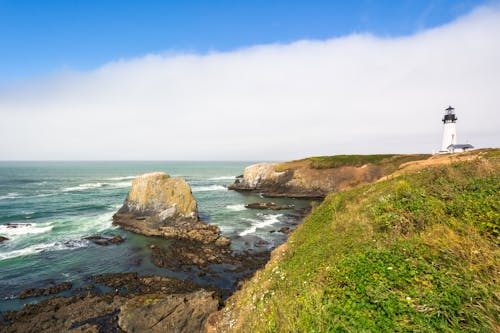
pixel 461 146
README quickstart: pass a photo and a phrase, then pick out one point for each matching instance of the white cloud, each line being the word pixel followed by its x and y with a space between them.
pixel 356 94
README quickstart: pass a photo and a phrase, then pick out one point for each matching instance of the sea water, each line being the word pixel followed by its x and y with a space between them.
pixel 56 204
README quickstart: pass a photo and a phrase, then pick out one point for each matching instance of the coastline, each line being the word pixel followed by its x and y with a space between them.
pixel 246 265
pixel 220 277
pixel 119 289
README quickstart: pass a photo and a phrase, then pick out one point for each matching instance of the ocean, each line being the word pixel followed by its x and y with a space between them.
pixel 56 204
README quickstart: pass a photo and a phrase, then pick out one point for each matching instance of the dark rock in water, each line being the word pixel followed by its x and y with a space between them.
pixel 105 239
pixel 17 225
pixel 137 284
pixel 3 239
pixel 285 230
pixel 116 239
pixel 139 300
pixel 85 288
pixel 172 313
pixel 35 292
pixel 184 254
pixel 261 243
pixel 268 205
pixel 159 205
pixel 189 253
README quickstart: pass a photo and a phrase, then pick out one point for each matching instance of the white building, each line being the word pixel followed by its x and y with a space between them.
pixel 449 140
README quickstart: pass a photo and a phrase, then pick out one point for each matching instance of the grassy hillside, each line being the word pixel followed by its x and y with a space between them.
pixel 418 252
pixel 387 162
pixel 391 161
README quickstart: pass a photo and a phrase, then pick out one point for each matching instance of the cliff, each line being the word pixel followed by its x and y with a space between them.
pixel 159 205
pixel 416 251
pixel 316 177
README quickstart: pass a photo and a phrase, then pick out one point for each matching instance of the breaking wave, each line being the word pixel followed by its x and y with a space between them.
pixel 11 195
pixel 208 188
pixel 236 208
pixel 223 178
pixel 23 229
pixel 258 224
pixel 43 247
pixel 90 186
pixel 83 187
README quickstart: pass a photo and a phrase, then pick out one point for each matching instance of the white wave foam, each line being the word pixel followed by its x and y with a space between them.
pixel 236 208
pixel 223 178
pixel 89 186
pixel 121 178
pixel 268 220
pixel 68 237
pixel 121 184
pixel 42 195
pixel 208 188
pixel 24 229
pixel 83 187
pixel 14 195
pixel 11 195
pixel 27 250
pixel 37 248
pixel 74 243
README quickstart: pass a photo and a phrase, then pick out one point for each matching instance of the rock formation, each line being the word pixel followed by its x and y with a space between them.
pixel 159 205
pixel 35 292
pixel 105 240
pixel 299 180
pixel 309 179
pixel 268 205
pixel 135 304
pixel 172 313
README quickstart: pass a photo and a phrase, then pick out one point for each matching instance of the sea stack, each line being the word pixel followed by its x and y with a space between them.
pixel 160 205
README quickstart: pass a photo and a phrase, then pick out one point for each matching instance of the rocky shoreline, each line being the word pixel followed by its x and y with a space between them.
pixel 107 302
pixel 130 302
pixel 91 311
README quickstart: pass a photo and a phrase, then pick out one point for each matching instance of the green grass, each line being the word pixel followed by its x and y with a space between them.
pixel 415 253
pixel 327 162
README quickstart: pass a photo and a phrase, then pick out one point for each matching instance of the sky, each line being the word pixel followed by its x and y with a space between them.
pixel 244 80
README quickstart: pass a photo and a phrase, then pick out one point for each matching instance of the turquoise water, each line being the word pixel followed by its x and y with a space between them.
pixel 59 203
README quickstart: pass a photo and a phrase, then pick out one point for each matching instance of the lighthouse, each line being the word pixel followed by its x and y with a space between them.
pixel 449 130
pixel 449 141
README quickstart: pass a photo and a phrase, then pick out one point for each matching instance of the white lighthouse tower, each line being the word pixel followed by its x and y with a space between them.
pixel 449 130
pixel 449 141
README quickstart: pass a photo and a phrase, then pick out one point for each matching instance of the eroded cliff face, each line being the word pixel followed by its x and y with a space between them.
pixel 299 180
pixel 159 205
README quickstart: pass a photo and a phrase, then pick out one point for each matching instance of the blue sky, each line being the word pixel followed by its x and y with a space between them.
pixel 42 37
pixel 221 80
